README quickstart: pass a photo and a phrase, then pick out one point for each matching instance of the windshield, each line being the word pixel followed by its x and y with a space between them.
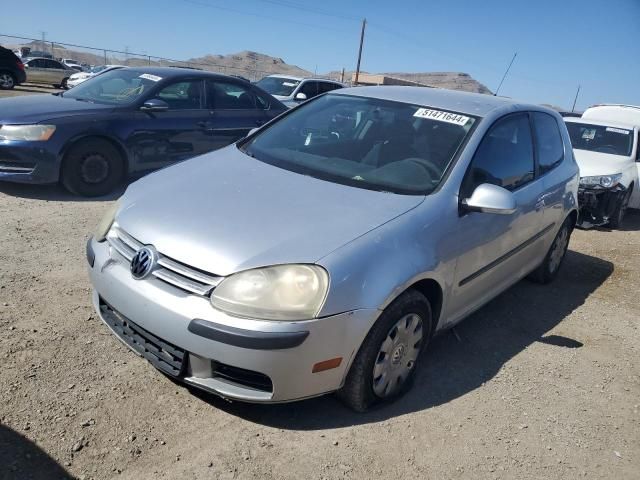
pixel 115 87
pixel 278 85
pixel 600 138
pixel 365 142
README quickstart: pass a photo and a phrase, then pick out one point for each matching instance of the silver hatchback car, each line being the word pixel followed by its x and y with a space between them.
pixel 323 252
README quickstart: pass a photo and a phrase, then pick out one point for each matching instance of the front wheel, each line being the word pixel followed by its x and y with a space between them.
pixel 92 168
pixel 7 82
pixel 550 266
pixel 64 85
pixel 618 215
pixel 386 363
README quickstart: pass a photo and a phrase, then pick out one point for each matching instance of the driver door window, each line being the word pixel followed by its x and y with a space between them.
pixel 185 95
pixel 504 157
pixel 310 89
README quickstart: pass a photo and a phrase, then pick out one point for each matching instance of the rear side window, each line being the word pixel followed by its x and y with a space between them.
pixel 53 64
pixel 231 96
pixel 548 141
pixel 504 157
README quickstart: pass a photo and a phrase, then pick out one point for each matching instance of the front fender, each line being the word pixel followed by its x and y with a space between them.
pixel 373 270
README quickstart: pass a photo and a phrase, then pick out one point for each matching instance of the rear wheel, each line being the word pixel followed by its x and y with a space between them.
pixel 550 267
pixel 386 363
pixel 618 215
pixel 7 82
pixel 92 168
pixel 64 84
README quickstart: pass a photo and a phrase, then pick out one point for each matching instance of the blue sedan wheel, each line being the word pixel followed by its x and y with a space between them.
pixel 92 168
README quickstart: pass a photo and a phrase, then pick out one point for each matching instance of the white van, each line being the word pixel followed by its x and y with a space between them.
pixel 606 143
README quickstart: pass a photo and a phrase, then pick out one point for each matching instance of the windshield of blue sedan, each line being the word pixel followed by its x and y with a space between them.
pixel 600 138
pixel 116 87
pixel 278 85
pixel 365 142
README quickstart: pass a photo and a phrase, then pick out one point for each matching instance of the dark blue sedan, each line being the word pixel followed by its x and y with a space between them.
pixel 124 122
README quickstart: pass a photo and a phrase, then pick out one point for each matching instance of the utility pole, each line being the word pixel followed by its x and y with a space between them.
pixel 364 24
pixel 505 74
pixel 43 34
pixel 342 76
pixel 575 100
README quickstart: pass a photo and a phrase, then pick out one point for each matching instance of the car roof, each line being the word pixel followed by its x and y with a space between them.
pixel 300 79
pixel 170 72
pixel 478 104
pixel 603 123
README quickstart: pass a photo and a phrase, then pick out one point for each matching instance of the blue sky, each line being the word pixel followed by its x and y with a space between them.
pixel 561 43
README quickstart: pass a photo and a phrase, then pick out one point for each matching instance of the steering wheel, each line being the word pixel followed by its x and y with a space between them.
pixel 432 169
pixel 604 148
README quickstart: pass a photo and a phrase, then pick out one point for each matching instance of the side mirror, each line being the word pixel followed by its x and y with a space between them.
pixel 301 96
pixel 154 105
pixel 488 198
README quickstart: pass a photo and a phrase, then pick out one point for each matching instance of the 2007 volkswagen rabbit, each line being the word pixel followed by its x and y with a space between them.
pixel 322 252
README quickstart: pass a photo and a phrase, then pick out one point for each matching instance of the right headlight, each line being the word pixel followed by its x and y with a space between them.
pixel 605 181
pixel 281 292
pixel 103 227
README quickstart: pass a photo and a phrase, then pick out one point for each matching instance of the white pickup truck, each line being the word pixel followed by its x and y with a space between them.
pixel 606 145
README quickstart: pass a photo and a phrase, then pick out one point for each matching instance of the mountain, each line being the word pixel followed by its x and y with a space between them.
pixel 254 66
pixel 450 80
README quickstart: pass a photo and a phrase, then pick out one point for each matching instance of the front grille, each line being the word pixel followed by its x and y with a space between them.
pixel 170 271
pixel 240 376
pixel 163 355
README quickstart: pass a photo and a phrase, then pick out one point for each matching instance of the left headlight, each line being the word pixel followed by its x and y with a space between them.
pixel 103 227
pixel 281 292
pixel 29 133
pixel 605 181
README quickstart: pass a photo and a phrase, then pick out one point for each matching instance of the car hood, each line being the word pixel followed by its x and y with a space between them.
pixel 38 108
pixel 224 212
pixel 592 164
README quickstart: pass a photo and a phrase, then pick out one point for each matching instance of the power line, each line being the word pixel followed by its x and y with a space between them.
pixel 305 8
pixel 259 15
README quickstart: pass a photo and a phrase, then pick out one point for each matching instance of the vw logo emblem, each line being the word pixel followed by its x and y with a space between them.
pixel 143 262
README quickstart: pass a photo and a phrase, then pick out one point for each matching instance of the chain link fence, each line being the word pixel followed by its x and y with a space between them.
pixel 90 56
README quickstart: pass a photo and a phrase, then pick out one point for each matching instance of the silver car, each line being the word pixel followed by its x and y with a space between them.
pixel 48 71
pixel 294 90
pixel 323 252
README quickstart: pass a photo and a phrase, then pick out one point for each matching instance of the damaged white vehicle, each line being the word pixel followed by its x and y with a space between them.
pixel 607 154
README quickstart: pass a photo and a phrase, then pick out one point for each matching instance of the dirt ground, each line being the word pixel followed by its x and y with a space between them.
pixel 544 382
pixel 28 89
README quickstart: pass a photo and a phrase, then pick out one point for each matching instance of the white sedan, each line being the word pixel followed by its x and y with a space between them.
pixel 80 77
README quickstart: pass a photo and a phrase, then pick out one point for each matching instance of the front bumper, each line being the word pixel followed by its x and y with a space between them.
pixel 597 205
pixel 238 359
pixel 27 162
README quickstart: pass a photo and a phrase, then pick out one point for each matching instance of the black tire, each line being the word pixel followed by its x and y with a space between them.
pixel 64 84
pixel 549 268
pixel 7 81
pixel 92 167
pixel 358 390
pixel 618 215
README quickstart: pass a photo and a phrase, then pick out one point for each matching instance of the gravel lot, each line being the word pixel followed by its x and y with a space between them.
pixel 544 382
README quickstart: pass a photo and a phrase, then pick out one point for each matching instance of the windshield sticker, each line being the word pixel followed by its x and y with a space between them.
pixel 589 134
pixel 289 84
pixel 148 76
pixel 618 130
pixel 441 116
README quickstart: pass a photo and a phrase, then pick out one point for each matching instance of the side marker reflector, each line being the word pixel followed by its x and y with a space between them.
pixel 326 365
